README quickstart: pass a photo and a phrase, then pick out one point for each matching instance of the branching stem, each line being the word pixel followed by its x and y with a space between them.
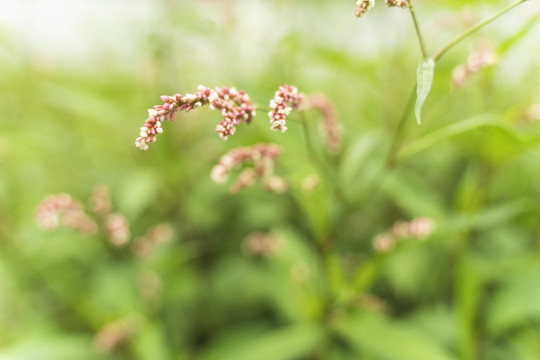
pixel 476 27
pixel 418 32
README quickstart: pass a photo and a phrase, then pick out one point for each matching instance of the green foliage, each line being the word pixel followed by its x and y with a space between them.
pixel 320 289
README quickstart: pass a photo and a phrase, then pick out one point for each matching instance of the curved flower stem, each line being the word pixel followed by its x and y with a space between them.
pixel 476 27
pixel 418 32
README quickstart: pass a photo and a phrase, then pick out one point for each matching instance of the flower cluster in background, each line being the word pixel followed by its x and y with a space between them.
pixel 261 244
pixel 476 62
pixel 398 3
pixel 62 210
pixel 284 101
pixel 331 127
pixel 155 236
pixel 235 107
pixel 110 336
pixel 363 7
pixel 419 228
pixel 261 157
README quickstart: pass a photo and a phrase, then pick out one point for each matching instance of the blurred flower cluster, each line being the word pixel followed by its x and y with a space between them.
pixel 235 107
pixel 419 228
pixel 363 7
pixel 475 63
pixel 261 157
pixel 284 101
pixel 331 127
pixel 63 210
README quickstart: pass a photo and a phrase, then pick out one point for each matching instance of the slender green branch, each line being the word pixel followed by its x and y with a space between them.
pixel 476 27
pixel 418 32
pixel 390 160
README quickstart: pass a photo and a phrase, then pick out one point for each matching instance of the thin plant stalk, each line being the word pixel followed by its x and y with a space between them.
pixel 418 32
pixel 473 29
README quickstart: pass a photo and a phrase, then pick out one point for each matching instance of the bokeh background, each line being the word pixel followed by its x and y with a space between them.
pixel 76 80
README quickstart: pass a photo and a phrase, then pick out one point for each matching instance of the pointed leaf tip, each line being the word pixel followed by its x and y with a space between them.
pixel 424 73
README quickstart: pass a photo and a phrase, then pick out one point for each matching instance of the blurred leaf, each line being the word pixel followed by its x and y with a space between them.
pixel 150 343
pixel 517 301
pixel 526 344
pixel 424 80
pixel 137 190
pixel 382 338
pixel 357 163
pixel 461 127
pixel 467 294
pixel 413 195
pixel 293 342
pixel 63 347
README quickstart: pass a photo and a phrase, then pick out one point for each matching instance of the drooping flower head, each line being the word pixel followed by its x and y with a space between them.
pixel 261 157
pixel 117 229
pixel 285 99
pixel 419 228
pixel 475 63
pixel 63 210
pixel 363 7
pixel 331 127
pixel 398 3
pixel 235 107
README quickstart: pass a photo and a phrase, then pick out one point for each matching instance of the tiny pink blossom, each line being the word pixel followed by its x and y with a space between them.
pixel 100 200
pixel 419 228
pixel 285 100
pixel 475 63
pixel 110 336
pixel 260 156
pixel 363 7
pixel 155 236
pixel 261 244
pixel 398 3
pixel 117 229
pixel 331 127
pixel 234 105
pixel 63 210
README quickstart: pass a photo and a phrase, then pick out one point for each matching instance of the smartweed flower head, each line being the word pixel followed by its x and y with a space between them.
pixel 235 107
pixel 63 210
pixel 363 7
pixel 261 244
pixel 117 229
pixel 114 333
pixel 100 200
pixel 155 236
pixel 284 101
pixel 331 127
pixel 397 3
pixel 261 157
pixel 419 229
pixel 475 63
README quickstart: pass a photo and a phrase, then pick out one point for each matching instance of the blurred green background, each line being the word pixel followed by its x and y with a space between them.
pixel 76 80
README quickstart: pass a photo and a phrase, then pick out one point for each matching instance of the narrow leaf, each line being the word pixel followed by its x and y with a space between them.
pixel 423 84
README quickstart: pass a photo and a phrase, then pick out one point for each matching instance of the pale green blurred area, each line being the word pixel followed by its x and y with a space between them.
pixel 76 80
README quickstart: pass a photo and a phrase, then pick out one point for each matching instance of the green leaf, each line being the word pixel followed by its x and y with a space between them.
pixel 434 137
pixel 423 85
pixel 293 342
pixel 53 347
pixel 517 302
pixel 381 338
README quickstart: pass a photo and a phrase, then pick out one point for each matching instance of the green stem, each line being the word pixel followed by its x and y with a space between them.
pixel 476 27
pixel 418 32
